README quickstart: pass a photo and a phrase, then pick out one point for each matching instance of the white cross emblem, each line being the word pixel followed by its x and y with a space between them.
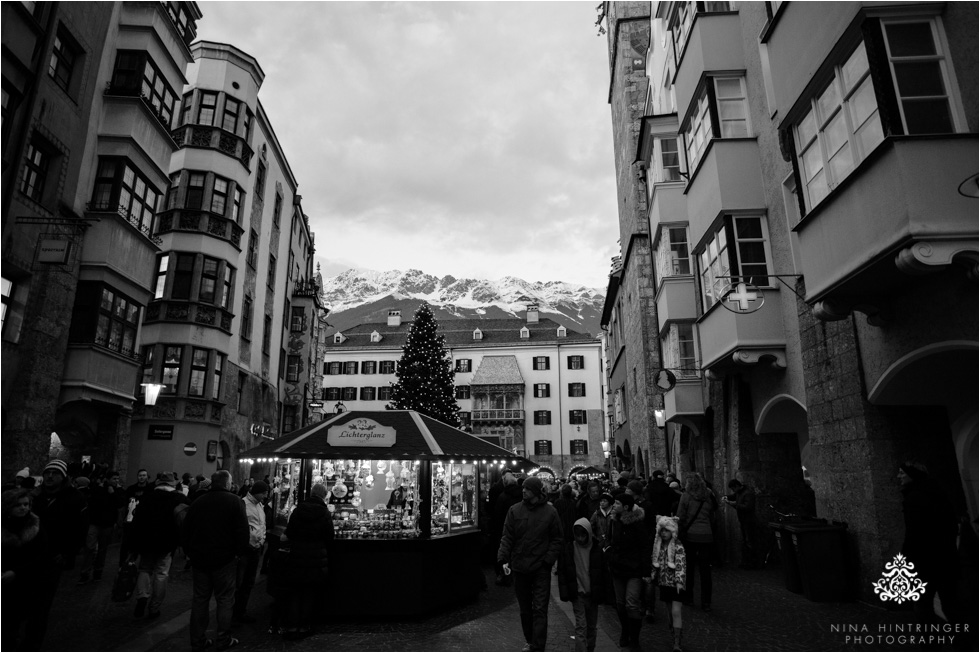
pixel 742 296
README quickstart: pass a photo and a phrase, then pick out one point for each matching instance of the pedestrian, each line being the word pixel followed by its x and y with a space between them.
pixel 669 573
pixel 246 487
pixel 588 503
pixel 531 541
pixel 155 537
pixel 63 522
pixel 742 497
pixel 200 488
pixel 581 580
pixel 27 565
pixel 134 493
pixel 105 501
pixel 248 564
pixel 628 555
pixel 659 494
pixel 567 510
pixel 84 486
pixel 216 532
pixel 509 495
pixel 186 483
pixel 308 536
pixel 931 529
pixel 696 517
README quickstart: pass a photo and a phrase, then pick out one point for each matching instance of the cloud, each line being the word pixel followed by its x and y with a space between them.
pixel 471 139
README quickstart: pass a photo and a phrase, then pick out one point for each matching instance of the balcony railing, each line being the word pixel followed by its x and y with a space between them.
pixel 201 221
pixel 105 345
pixel 214 138
pixel 137 91
pixel 306 288
pixel 122 212
pixel 497 415
pixel 190 312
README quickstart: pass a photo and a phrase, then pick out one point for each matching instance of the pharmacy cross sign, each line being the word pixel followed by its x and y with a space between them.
pixel 744 298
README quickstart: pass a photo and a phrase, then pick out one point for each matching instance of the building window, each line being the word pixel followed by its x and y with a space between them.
pixel 297 320
pixel 348 394
pixel 171 368
pixel 840 129
pixel 384 393
pixel 579 447
pixel 253 249
pixel 369 367
pixel 367 394
pixel 576 417
pixel 331 394
pixel 63 58
pixel 199 369
pixel 277 210
pixel 237 204
pixel 105 317
pixel 205 112
pixel 146 355
pixel 332 368
pixel 542 417
pixel 542 363
pixel 242 383
pixel 667 161
pixel 542 390
pixel 247 318
pixel 919 74
pixel 185 27
pixel 542 447
pixel 576 362
pixel 161 279
pixel 187 103
pixel 219 365
pixel 464 418
pixel 576 389
pixel 136 74
pixel 119 187
pixel 209 280
pixel 722 265
pixel 35 171
pixel 678 348
pixel 226 287
pixel 229 120
pixel 680 23
pixel 267 335
pixel 247 124
pixel 260 181
pixel 350 367
pixel 183 277
pixel 618 405
pixel 271 277
pixel 195 191
pixel 219 196
pixel 386 367
pixel 462 392
pixel 723 98
pixel 464 365
pixel 673 252
pixel 292 368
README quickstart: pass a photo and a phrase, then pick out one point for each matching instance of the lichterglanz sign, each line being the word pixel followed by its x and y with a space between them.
pixel 361 432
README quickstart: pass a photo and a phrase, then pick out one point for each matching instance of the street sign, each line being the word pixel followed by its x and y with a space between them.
pixel 190 448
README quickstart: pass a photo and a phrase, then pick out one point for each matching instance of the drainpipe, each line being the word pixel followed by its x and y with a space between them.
pixel 561 430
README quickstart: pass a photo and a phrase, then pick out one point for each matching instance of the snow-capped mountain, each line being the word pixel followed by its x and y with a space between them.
pixel 358 296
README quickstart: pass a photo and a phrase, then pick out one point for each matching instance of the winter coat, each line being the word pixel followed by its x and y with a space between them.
pixel 697 517
pixel 64 521
pixel 26 552
pixel 628 550
pixel 104 507
pixel 509 495
pixel 600 525
pixel 587 506
pixel 215 530
pixel 667 572
pixel 661 497
pixel 567 575
pixel 155 530
pixel 308 536
pixel 532 536
pixel 567 513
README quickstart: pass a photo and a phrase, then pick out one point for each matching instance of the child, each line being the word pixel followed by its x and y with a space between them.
pixel 670 572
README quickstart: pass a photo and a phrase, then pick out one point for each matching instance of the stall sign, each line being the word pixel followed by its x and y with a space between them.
pixel 361 432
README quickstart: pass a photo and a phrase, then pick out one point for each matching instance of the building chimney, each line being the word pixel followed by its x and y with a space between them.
pixel 532 313
pixel 394 318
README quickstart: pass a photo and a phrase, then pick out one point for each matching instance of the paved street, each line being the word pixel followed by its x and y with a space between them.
pixel 753 611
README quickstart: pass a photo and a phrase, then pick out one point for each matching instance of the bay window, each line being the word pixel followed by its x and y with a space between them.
pixel 673 252
pixel 920 76
pixel 171 368
pixel 737 251
pixel 678 348
pixel 720 110
pixel 199 369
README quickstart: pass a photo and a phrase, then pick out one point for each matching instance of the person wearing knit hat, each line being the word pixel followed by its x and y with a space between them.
pixel 669 562
pixel 628 554
pixel 529 546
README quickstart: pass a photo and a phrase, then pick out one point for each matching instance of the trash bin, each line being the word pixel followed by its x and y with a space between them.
pixel 787 558
pixel 819 549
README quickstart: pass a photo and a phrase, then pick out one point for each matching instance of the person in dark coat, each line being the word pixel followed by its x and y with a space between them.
pixel 215 534
pixel 628 556
pixel 742 497
pixel 155 537
pixel 695 519
pixel 105 501
pixel 308 536
pixel 509 495
pixel 567 510
pixel 931 528
pixel 588 503
pixel 531 542
pixel 27 566
pixel 660 496
pixel 134 493
pixel 581 580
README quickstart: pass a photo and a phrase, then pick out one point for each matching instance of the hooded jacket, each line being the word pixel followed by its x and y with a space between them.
pixel 628 552
pixel 568 584
pixel 532 536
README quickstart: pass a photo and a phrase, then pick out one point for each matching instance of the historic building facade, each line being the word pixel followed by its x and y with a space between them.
pixel 532 386
pixel 816 301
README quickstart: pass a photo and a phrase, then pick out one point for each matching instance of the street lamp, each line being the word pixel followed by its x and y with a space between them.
pixel 151 392
pixel 658 414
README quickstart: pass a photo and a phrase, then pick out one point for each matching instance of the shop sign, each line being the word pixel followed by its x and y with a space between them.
pixel 53 250
pixel 361 432
pixel 160 432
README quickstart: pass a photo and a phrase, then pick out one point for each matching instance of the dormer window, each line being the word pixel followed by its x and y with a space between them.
pixel 562 332
pixel 375 337
pixel 525 332
pixel 338 338
pixel 477 334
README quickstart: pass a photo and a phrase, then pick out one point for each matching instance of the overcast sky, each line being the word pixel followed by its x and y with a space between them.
pixel 471 139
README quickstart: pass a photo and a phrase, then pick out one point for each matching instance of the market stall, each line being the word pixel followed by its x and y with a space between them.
pixel 404 493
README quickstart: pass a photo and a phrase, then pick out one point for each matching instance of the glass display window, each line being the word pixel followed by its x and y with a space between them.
pixel 285 483
pixel 454 497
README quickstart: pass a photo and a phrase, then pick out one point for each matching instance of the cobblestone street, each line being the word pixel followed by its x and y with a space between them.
pixel 752 611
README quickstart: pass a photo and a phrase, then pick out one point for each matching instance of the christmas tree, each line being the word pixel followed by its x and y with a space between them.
pixel 425 375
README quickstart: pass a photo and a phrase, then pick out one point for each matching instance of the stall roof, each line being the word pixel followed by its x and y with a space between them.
pixel 417 436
